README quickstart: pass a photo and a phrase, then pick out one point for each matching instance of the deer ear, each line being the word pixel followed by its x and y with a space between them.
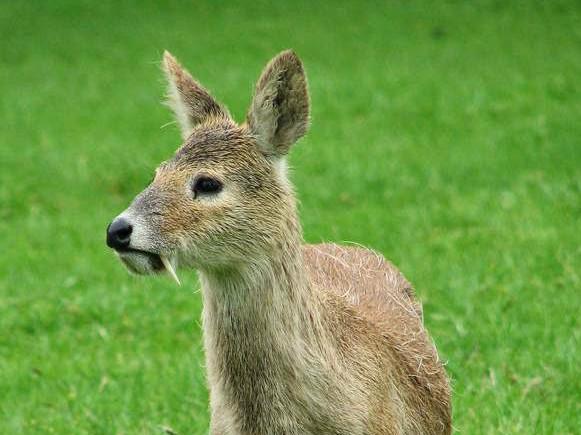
pixel 279 113
pixel 189 101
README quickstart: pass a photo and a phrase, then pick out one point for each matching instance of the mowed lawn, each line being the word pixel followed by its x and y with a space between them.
pixel 447 135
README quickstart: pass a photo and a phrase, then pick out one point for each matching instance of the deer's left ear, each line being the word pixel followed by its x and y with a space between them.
pixel 190 102
pixel 279 113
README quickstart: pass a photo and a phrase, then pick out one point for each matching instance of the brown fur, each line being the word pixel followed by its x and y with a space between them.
pixel 315 339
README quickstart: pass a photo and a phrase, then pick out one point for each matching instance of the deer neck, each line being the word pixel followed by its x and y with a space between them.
pixel 258 323
pixel 261 298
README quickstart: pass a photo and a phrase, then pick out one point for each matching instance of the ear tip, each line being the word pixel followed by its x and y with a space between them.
pixel 289 52
pixel 290 55
pixel 169 61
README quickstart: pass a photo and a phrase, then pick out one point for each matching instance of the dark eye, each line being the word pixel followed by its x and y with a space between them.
pixel 206 185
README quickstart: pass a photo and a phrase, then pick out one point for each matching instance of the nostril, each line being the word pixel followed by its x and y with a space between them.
pixel 119 234
pixel 124 233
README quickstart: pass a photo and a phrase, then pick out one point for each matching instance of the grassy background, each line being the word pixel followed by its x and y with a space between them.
pixel 448 137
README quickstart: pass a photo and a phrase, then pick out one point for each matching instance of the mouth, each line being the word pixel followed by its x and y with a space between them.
pixel 144 262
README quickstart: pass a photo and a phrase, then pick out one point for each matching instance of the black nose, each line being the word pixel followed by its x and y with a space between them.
pixel 119 234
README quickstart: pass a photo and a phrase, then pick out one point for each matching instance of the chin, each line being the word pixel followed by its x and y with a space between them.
pixel 141 263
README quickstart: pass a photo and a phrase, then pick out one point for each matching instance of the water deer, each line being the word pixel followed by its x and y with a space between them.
pixel 299 339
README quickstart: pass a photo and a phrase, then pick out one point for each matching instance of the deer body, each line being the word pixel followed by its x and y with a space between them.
pixel 299 339
pixel 288 353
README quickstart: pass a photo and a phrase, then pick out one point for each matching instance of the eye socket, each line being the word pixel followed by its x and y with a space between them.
pixel 206 185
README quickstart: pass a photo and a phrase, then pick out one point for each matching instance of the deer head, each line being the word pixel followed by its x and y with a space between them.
pixel 223 199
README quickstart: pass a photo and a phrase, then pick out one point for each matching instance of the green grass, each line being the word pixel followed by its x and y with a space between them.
pixel 448 137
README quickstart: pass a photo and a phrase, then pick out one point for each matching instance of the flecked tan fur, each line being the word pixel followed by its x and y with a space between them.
pixel 299 339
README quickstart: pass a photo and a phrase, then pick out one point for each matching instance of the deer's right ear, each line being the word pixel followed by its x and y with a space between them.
pixel 189 101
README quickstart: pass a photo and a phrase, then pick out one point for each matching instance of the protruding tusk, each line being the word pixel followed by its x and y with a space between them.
pixel 168 266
